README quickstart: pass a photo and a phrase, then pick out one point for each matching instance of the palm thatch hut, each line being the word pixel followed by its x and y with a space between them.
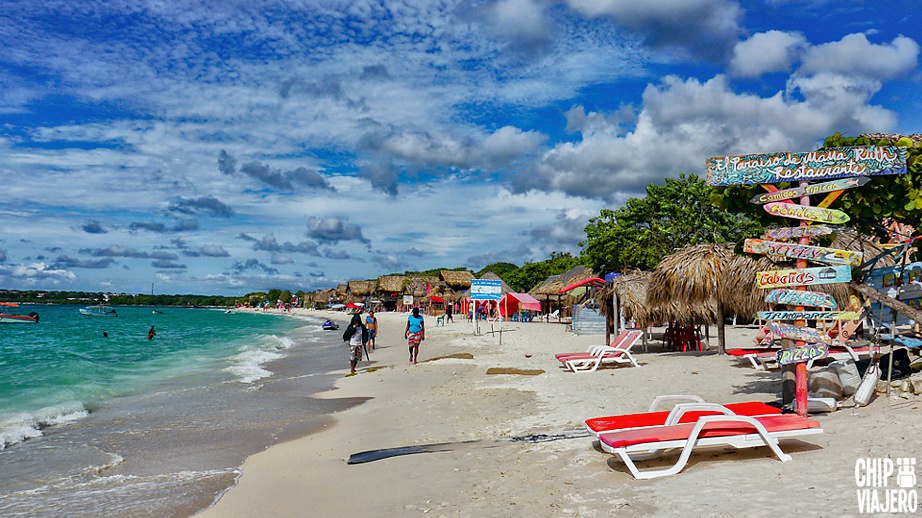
pixel 684 286
pixel 631 290
pixel 359 291
pixel 550 288
pixel 456 280
pixel 390 290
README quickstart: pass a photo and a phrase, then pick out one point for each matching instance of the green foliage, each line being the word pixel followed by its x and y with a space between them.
pixel 889 196
pixel 532 274
pixel 676 214
pixel 86 298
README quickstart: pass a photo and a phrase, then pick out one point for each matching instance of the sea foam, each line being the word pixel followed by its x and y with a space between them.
pixel 23 426
pixel 247 366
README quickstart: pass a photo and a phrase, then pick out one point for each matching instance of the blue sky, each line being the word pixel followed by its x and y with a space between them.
pixel 228 147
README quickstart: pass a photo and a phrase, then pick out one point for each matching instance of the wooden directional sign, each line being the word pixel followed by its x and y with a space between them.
pixel 814 299
pixel 777 249
pixel 817 188
pixel 803 277
pixel 825 164
pixel 802 353
pixel 796 232
pixel 805 212
pixel 800 334
pixel 808 315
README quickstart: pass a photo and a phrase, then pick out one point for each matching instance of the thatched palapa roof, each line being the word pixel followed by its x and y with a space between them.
pixel 631 288
pixel 361 288
pixel 391 283
pixel 416 286
pixel 553 284
pixel 688 276
pixel 456 280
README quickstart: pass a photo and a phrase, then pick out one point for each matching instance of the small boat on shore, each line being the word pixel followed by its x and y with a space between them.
pixel 13 318
pixel 98 311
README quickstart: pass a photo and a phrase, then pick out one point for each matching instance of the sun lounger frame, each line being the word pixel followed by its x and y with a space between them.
pixel 761 437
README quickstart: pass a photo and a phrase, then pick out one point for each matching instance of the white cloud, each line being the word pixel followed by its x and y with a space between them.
pixel 770 51
pixel 682 122
pixel 855 55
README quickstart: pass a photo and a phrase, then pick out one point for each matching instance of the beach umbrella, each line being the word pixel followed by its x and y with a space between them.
pixel 684 286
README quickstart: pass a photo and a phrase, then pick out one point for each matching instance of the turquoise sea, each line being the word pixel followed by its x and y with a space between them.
pixel 125 426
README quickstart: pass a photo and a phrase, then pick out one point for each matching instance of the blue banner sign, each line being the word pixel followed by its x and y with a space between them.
pixel 825 164
pixel 907 290
pixel 486 289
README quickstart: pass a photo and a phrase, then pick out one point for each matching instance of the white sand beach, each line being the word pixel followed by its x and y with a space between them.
pixel 453 400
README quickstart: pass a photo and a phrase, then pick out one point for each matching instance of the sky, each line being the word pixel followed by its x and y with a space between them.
pixel 237 146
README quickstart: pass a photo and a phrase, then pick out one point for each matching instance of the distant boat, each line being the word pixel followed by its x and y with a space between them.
pixel 155 312
pixel 13 318
pixel 98 311
pixel 228 311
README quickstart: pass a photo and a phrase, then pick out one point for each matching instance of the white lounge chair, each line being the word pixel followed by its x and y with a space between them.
pixel 619 354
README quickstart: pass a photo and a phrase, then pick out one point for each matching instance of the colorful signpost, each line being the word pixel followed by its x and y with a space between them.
pixel 817 188
pixel 799 333
pixel 798 232
pixel 825 164
pixel 814 299
pixel 808 315
pixel 816 254
pixel 802 353
pixel 805 212
pixel 803 276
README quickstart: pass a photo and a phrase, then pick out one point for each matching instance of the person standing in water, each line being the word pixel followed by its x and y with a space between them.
pixel 151 334
pixel 415 333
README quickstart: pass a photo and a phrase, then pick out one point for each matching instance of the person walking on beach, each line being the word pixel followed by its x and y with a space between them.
pixel 415 333
pixel 448 308
pixel 151 334
pixel 357 336
pixel 371 322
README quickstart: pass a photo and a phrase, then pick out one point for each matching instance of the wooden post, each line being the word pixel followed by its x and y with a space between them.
pixel 800 369
pixel 721 332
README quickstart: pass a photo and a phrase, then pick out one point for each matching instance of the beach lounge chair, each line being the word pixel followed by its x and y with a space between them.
pixel 760 358
pixel 711 430
pixel 687 410
pixel 595 349
pixel 619 354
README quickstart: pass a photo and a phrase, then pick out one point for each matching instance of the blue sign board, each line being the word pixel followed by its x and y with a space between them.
pixel 486 289
pixel 908 289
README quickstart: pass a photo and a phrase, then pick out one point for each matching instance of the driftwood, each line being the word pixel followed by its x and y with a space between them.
pixel 890 302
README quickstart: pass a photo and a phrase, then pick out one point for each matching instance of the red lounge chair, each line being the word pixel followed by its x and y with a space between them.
pixel 688 412
pixel 710 430
pixel 760 358
pixel 619 354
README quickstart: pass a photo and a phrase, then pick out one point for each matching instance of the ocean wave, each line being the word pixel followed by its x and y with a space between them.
pixel 247 366
pixel 20 427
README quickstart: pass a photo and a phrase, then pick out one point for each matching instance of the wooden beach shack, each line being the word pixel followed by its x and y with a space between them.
pixel 360 291
pixel 549 291
pixel 390 291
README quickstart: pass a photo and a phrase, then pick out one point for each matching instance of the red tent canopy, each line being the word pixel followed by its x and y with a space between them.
pixel 594 280
pixel 436 298
pixel 512 302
